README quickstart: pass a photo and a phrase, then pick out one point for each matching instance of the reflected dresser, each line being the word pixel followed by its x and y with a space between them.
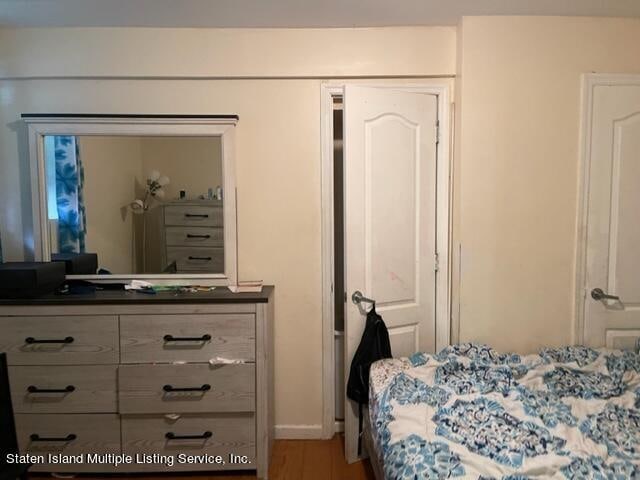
pixel 185 236
pixel 130 382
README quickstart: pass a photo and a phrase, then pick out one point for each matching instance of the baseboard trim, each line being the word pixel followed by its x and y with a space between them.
pixel 298 432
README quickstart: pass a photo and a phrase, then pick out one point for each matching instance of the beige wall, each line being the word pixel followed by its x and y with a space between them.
pixel 517 164
pixel 112 174
pixel 171 52
pixel 193 164
pixel 277 140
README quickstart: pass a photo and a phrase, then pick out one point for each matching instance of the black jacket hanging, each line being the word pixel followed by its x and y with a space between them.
pixel 374 346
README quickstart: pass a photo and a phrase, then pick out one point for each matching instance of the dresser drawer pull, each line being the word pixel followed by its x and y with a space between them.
pixel 31 340
pixel 37 438
pixel 34 389
pixel 206 259
pixel 192 235
pixel 170 388
pixel 173 436
pixel 204 338
pixel 196 215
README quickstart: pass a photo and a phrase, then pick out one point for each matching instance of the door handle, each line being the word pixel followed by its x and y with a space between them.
pixel 599 294
pixel 359 298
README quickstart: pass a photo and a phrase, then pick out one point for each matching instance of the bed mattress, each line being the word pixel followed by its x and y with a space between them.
pixel 472 412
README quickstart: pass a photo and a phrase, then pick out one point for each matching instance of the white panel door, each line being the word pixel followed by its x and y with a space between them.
pixel 613 224
pixel 390 213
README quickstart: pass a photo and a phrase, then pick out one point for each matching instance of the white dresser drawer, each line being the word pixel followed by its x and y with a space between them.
pixel 194 236
pixel 68 435
pixel 193 215
pixel 64 389
pixel 187 338
pixel 60 340
pixel 197 259
pixel 186 388
pixel 205 435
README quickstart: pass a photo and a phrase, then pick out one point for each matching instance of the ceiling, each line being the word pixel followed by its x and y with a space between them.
pixel 288 13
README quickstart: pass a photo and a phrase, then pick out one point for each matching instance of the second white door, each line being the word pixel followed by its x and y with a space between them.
pixel 613 219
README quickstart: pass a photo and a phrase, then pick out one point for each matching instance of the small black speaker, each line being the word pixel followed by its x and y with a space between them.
pixel 30 279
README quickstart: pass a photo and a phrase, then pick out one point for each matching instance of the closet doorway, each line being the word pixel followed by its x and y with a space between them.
pixel 385 228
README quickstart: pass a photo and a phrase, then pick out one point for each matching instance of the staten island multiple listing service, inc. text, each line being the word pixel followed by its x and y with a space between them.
pixel 117 460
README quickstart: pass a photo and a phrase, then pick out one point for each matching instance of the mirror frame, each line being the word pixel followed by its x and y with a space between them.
pixel 41 125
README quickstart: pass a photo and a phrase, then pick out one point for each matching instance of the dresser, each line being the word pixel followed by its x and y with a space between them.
pixel 130 382
pixel 185 236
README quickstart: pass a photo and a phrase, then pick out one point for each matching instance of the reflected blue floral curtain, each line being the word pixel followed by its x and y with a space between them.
pixel 72 217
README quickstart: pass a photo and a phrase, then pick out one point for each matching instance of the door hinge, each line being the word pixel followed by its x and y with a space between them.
pixel 436 262
pixel 437 132
pixel 345 297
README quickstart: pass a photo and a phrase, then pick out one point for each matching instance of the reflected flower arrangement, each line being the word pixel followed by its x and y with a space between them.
pixel 154 189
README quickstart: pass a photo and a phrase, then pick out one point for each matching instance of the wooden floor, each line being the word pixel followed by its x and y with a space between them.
pixel 291 460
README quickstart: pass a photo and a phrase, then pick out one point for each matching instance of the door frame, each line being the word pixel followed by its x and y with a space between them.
pixel 442 90
pixel 589 82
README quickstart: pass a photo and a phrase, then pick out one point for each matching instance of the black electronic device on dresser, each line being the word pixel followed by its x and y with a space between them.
pixel 30 279
pixel 77 263
pixel 8 440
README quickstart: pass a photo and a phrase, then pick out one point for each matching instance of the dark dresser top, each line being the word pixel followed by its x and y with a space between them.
pixel 119 297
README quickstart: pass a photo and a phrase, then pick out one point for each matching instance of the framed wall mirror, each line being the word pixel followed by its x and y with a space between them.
pixel 154 197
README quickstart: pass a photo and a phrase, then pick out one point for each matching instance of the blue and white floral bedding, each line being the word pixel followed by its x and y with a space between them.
pixel 471 412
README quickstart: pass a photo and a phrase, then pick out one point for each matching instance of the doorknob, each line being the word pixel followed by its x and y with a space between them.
pixel 598 294
pixel 358 298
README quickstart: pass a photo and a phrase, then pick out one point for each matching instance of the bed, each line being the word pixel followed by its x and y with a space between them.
pixel 472 412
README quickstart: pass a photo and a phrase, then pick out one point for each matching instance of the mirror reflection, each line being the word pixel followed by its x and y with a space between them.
pixel 143 204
